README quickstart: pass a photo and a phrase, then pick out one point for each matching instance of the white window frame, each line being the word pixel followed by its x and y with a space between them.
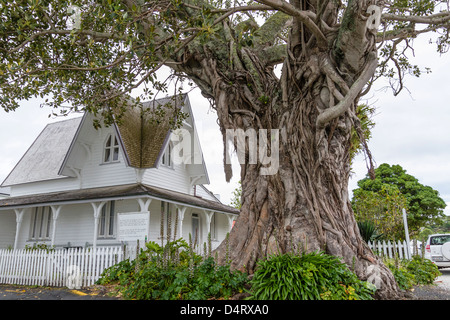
pixel 111 151
pixel 107 221
pixel 41 225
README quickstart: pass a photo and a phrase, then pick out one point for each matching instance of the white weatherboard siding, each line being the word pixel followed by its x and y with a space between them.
pixel 172 178
pixel 47 186
pixel 96 173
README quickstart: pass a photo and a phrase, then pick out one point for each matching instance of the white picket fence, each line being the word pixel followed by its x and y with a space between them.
pixel 391 249
pixel 57 267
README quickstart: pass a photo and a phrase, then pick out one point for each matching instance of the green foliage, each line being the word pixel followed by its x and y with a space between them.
pixel 309 276
pixel 423 204
pixel 405 279
pixel 368 230
pixel 39 246
pixel 423 270
pixel 237 195
pixel 381 209
pixel 407 273
pixel 438 227
pixel 173 272
pixel 358 140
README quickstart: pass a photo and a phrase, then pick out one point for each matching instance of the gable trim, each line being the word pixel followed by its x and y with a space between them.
pixel 72 144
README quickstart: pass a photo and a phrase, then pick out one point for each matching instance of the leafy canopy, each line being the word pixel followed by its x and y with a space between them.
pixel 119 45
pixel 423 204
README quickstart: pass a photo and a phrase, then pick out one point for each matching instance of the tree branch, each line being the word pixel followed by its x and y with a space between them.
pixel 303 16
pixel 94 34
pixel 339 109
pixel 438 18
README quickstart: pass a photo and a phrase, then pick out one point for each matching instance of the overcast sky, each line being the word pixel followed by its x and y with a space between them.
pixel 412 129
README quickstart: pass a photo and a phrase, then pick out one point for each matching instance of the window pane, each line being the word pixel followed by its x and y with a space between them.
pixel 168 155
pixel 108 143
pixel 195 228
pixel 49 219
pixel 40 223
pixel 35 218
pixel 116 143
pixel 107 155
pixel 111 219
pixel 116 154
pixel 101 231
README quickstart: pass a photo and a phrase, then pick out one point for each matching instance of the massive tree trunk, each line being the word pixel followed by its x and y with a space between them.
pixel 303 204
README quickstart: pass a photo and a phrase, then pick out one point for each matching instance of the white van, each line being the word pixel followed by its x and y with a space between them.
pixel 437 249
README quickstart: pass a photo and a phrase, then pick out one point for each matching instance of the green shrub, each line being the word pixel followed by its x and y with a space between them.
pixel 368 231
pixel 311 276
pixel 173 272
pixel 408 273
pixel 403 277
pixel 423 270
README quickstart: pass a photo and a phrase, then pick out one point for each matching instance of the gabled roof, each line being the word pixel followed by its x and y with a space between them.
pixel 44 157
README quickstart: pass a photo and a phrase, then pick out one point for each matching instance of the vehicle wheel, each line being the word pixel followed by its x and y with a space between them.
pixel 446 250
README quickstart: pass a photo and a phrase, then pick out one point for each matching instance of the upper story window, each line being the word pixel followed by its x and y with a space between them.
pixel 166 157
pixel 111 152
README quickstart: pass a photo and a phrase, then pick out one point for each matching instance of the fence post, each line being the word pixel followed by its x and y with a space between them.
pixel 405 222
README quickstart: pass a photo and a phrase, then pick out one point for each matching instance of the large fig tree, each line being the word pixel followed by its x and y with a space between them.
pixel 92 54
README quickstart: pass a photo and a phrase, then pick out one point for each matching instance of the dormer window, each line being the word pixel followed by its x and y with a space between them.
pixel 111 153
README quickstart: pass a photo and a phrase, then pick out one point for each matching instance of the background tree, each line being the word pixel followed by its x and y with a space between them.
pixel 423 205
pixel 383 209
pixel 328 52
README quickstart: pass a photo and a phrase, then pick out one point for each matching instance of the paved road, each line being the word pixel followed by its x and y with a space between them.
pixel 443 281
pixel 13 292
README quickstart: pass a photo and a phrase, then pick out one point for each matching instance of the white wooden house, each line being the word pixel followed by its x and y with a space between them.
pixel 70 186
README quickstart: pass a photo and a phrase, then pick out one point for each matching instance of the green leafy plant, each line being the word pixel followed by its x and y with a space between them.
pixel 173 271
pixel 39 246
pixel 405 280
pixel 308 276
pixel 423 270
pixel 408 273
pixel 368 230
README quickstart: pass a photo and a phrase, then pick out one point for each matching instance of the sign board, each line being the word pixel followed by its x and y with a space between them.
pixel 132 226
